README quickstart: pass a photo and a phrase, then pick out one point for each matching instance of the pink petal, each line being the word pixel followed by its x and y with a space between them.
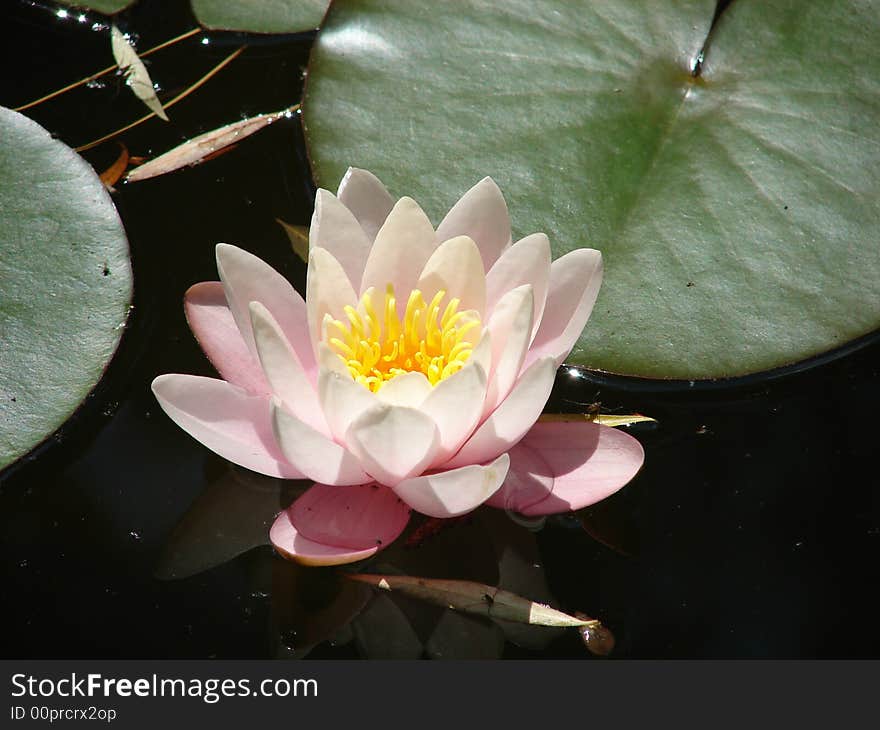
pixel 526 262
pixel 328 291
pixel 247 279
pixel 574 285
pixel 511 328
pixel 586 462
pixel 356 518
pixel 366 197
pixel 316 456
pixel 456 491
pixel 402 246
pixel 335 228
pixel 211 321
pixel 456 268
pixel 225 419
pixel 393 443
pixel 512 419
pixel 481 213
pixel 284 370
pixel 529 480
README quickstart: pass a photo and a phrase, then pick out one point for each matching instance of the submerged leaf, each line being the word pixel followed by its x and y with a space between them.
pixel 136 74
pixel 471 597
pixel 299 238
pixel 200 148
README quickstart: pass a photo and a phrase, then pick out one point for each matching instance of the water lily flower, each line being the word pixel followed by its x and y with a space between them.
pixel 411 377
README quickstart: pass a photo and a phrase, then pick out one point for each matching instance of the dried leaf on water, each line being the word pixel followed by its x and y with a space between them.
pixel 136 74
pixel 605 419
pixel 112 174
pixel 299 238
pixel 198 149
pixel 476 598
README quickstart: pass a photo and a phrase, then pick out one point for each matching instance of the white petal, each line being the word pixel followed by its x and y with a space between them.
pixel 408 389
pixel 456 267
pixel 456 406
pixel 574 285
pixel 342 400
pixel 511 328
pixel 366 197
pixel 335 228
pixel 402 246
pixel 393 443
pixel 456 491
pixel 512 419
pixel 328 291
pixel 225 419
pixel 283 369
pixel 526 262
pixel 481 213
pixel 247 279
pixel 317 457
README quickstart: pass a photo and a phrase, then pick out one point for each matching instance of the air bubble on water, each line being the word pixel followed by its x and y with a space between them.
pixel 135 535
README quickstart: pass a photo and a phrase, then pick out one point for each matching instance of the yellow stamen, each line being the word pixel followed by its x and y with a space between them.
pixel 377 349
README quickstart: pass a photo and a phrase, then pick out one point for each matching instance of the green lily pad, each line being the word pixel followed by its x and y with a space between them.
pixel 65 283
pixel 738 210
pixel 260 16
pixel 107 7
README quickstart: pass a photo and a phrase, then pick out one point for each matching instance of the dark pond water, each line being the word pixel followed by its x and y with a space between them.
pixel 753 530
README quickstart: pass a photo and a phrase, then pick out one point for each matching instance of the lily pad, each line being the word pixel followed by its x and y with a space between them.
pixel 107 7
pixel 66 283
pixel 736 201
pixel 260 16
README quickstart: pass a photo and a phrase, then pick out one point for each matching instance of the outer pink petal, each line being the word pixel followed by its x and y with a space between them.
pixel 393 443
pixel 247 279
pixel 402 246
pixel 356 518
pixel 574 285
pixel 526 262
pixel 585 461
pixel 366 197
pixel 456 491
pixel 211 321
pixel 225 419
pixel 481 213
pixel 316 456
pixel 335 228
pixel 512 419
pixel 529 480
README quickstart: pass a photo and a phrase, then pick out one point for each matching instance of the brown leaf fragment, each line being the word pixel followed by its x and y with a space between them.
pixel 112 174
pixel 198 149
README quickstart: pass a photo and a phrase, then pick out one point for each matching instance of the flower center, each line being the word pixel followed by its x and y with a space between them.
pixel 376 350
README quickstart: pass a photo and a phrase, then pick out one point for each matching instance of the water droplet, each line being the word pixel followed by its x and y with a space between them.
pixel 135 535
pixel 598 639
pixel 288 638
pixel 23 564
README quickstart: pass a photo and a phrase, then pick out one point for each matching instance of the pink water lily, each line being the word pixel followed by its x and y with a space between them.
pixel 412 375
